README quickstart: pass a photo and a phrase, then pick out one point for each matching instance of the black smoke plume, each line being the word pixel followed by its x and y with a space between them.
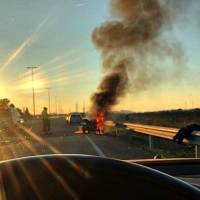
pixel 133 49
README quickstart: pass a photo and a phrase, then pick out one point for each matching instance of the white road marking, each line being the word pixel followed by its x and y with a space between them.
pixel 100 153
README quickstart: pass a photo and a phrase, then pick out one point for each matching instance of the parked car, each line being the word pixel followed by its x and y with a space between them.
pixel 10 118
pixel 74 118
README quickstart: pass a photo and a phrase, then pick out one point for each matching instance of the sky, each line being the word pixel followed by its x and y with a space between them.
pixel 54 37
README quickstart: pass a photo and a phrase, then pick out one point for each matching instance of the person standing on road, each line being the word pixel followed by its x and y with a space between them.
pixel 126 118
pixel 45 122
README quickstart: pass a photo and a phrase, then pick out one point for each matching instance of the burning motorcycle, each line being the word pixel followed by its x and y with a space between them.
pixel 90 126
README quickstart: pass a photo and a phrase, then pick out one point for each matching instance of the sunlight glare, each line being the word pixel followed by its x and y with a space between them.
pixel 3 93
pixel 24 45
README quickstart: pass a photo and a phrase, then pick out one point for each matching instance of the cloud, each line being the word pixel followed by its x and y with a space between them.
pixel 81 4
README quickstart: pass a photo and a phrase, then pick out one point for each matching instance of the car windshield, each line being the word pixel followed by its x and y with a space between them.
pixel 128 68
pixel 75 116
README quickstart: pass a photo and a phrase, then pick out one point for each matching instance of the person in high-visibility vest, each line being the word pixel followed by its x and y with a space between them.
pixel 45 122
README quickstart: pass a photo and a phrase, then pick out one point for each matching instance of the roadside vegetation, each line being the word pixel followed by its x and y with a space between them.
pixel 169 118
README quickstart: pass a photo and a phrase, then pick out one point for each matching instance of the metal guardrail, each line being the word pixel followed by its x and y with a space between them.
pixel 156 131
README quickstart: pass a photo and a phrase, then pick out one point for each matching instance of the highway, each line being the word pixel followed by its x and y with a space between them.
pixel 30 141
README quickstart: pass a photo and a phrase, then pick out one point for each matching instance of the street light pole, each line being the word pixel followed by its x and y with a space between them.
pixel 56 105
pixel 59 107
pixel 33 89
pixel 49 98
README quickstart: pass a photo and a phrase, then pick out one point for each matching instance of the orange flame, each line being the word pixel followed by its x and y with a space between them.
pixel 100 121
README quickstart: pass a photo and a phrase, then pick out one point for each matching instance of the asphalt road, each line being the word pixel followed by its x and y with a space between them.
pixel 30 141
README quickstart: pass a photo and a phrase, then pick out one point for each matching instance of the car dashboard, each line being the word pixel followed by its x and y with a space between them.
pixel 185 169
pixel 65 176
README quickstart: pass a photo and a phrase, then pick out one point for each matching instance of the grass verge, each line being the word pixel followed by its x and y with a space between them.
pixel 168 148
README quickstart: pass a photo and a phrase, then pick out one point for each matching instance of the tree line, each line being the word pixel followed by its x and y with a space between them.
pixel 6 103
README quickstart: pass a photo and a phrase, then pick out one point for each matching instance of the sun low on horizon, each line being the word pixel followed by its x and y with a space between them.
pixel 64 64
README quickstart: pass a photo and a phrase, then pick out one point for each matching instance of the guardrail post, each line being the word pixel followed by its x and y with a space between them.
pixel 197 151
pixel 116 130
pixel 106 129
pixel 151 141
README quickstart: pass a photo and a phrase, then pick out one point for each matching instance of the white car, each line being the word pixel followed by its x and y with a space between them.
pixel 74 118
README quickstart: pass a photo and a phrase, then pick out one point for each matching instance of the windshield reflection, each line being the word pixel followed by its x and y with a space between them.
pixel 118 65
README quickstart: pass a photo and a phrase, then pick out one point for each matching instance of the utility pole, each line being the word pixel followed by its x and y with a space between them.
pixel 33 89
pixel 83 106
pixel 56 105
pixel 49 98
pixel 59 107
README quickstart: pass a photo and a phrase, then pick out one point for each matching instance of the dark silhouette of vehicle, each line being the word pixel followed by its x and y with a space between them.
pixel 90 126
